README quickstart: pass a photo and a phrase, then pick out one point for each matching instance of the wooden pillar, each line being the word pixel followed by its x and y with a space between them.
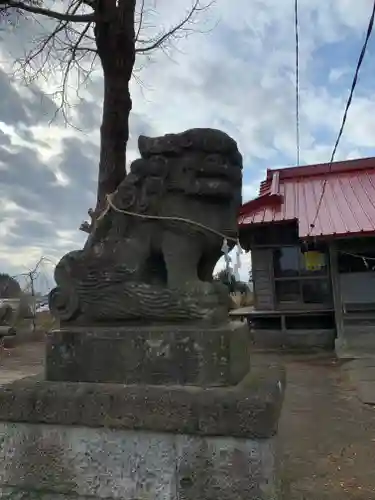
pixel 336 292
pixel 283 323
pixel 262 269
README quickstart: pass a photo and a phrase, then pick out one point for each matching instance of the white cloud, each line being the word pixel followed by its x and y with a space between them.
pixel 250 191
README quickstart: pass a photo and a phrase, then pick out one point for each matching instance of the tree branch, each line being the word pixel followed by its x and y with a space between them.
pixel 61 50
pixel 60 16
pixel 160 40
pixel 140 22
pixel 68 49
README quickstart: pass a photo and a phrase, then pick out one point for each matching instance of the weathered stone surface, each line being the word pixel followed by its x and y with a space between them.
pixel 148 268
pixel 170 354
pixel 248 410
pixel 57 462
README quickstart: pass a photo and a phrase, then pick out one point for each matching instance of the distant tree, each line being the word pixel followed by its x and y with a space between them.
pixel 242 287
pixel 79 33
pixel 227 278
pixel 9 287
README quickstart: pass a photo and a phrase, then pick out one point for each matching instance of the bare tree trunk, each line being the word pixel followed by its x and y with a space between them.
pixel 115 38
pixel 114 135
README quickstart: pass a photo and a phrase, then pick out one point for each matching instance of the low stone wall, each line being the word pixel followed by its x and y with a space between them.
pixel 294 339
pixel 356 341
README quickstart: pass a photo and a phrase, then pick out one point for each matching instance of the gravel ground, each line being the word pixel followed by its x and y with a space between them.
pixel 22 361
pixel 328 436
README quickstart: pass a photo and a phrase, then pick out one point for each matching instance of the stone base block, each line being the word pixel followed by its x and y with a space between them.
pixel 149 355
pixel 73 463
pixel 70 441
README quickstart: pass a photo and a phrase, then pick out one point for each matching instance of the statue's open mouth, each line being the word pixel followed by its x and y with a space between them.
pixel 215 187
pixel 217 182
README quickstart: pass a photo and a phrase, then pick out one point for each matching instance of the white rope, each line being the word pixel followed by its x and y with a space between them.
pixel 358 256
pixel 110 204
pixel 224 248
pixel 227 258
pixel 237 265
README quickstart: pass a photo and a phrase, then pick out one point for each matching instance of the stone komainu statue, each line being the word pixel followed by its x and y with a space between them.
pixel 150 269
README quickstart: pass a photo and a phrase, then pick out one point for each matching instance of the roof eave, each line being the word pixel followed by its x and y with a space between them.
pixel 267 200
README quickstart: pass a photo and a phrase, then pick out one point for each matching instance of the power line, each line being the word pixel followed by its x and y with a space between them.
pixel 354 83
pixel 296 22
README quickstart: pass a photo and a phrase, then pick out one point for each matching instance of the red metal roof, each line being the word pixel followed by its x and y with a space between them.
pixel 347 207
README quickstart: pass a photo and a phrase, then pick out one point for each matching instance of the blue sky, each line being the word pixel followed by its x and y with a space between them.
pixel 236 74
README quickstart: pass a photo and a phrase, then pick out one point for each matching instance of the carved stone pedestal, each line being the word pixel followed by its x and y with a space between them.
pixel 171 354
pixel 70 441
